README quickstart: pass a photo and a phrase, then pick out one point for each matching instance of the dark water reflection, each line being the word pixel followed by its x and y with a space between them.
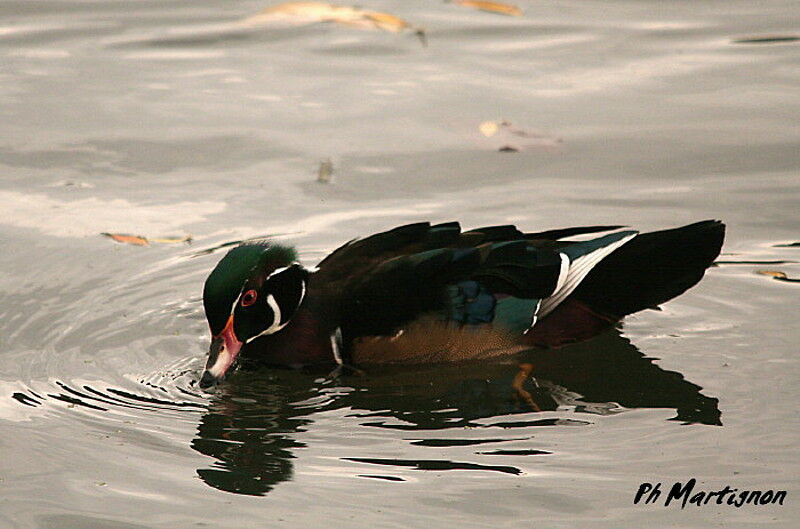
pixel 252 422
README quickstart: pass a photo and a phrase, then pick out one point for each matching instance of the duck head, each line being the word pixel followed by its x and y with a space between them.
pixel 253 291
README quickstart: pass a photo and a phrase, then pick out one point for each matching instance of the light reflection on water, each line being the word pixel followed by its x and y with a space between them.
pixel 162 119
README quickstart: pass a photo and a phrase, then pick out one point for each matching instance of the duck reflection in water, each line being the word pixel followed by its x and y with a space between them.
pixel 253 419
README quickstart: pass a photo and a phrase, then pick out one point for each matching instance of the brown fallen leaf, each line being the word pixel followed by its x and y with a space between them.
pixel 777 274
pixel 507 137
pixel 311 12
pixel 386 21
pixel 138 240
pixel 772 273
pixel 299 12
pixel 325 171
pixel 491 7
pixel 135 240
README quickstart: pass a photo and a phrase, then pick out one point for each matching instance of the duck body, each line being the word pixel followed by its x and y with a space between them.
pixel 424 293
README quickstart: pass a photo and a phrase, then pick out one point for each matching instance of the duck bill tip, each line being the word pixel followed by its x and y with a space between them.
pixel 208 381
pixel 221 356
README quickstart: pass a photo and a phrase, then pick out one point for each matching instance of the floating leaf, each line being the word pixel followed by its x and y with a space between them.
pixel 790 245
pixel 300 12
pixel 325 172
pixel 310 12
pixel 492 7
pixel 488 128
pixel 777 274
pixel 506 137
pixel 135 240
pixel 138 240
pixel 386 21
pixel 772 273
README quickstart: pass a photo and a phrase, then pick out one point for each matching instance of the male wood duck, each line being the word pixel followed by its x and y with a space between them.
pixel 424 293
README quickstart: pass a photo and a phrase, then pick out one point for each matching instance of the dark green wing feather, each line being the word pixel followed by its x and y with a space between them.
pixel 461 284
pixel 376 285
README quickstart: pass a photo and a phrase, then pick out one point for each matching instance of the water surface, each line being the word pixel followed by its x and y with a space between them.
pixel 170 119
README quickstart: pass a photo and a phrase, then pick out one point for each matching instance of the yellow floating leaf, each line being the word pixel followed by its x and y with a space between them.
pixel 777 274
pixel 325 171
pixel 309 12
pixel 135 240
pixel 488 128
pixel 772 273
pixel 387 21
pixel 509 138
pixel 299 12
pixel 492 7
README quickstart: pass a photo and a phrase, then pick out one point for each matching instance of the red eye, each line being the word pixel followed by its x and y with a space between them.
pixel 249 297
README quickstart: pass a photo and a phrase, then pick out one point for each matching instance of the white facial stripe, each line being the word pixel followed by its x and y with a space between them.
pixel 302 292
pixel 276 310
pixel 236 301
pixel 277 271
pixel 276 320
pixel 281 269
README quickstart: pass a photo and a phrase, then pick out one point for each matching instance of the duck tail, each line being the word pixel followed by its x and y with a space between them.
pixel 651 269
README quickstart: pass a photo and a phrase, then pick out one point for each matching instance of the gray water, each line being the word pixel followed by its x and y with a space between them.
pixel 168 118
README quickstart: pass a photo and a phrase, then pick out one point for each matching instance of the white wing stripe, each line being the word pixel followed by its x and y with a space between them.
pixel 534 317
pixel 563 272
pixel 577 272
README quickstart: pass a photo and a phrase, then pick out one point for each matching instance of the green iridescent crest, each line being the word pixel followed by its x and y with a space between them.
pixel 223 286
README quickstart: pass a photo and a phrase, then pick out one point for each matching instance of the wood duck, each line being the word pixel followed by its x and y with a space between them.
pixel 424 293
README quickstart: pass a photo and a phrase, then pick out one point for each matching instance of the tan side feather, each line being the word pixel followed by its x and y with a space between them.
pixel 430 340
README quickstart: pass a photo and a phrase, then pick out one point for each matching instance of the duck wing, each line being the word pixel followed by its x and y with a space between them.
pixel 466 283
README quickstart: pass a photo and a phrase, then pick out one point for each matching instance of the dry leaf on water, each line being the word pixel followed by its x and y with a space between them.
pixel 310 12
pixel 138 240
pixel 325 171
pixel 135 240
pixel 492 7
pixel 386 21
pixel 777 274
pixel 509 135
